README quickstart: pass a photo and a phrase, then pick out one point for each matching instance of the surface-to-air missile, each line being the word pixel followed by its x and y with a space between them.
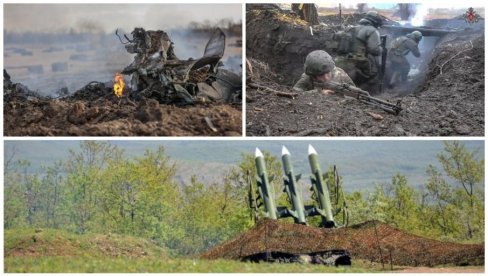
pixel 266 192
pixel 319 187
pixel 299 212
pixel 293 188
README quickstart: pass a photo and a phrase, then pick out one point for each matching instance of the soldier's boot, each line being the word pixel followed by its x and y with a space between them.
pixel 393 79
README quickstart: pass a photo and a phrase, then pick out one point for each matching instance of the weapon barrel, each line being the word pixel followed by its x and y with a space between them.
pixel 385 105
pixel 292 188
pixel 401 30
pixel 321 188
pixel 346 89
pixel 363 96
pixel 264 186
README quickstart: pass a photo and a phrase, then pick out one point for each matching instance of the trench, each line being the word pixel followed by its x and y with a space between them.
pixel 282 41
pixel 444 95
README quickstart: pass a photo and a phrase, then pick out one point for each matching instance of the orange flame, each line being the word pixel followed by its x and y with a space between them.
pixel 119 84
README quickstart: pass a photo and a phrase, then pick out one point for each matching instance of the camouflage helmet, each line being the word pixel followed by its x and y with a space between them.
pixel 318 63
pixel 415 35
pixel 375 18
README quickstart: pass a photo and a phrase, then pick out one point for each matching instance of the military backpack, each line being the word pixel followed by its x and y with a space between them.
pixel 347 42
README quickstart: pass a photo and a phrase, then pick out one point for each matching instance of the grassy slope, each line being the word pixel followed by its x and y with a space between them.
pixel 28 250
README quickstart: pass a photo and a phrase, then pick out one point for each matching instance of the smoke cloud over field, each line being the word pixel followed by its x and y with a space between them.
pixel 107 17
pixel 49 47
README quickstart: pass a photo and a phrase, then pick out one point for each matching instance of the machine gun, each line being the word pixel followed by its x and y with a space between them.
pixel 362 96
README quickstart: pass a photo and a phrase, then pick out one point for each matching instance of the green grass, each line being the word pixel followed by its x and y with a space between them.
pixel 141 265
pixel 49 250
pixel 21 243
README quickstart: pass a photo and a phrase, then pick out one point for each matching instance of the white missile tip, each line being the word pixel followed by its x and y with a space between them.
pixel 311 150
pixel 258 153
pixel 284 151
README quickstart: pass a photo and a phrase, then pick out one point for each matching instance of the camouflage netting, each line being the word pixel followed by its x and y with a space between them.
pixel 367 241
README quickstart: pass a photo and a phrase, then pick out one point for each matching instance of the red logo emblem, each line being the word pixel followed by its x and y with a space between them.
pixel 471 16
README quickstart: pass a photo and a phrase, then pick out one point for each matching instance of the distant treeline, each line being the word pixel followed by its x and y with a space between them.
pixel 32 37
pixel 98 189
pixel 227 24
pixel 72 35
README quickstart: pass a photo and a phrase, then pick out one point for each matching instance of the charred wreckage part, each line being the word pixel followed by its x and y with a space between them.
pixel 157 73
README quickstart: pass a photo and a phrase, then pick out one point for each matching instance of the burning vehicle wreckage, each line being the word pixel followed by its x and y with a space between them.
pixel 157 73
pixel 175 97
pixel 443 94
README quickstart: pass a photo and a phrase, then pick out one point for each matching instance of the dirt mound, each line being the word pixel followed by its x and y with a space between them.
pixel 350 19
pixel 372 241
pixel 282 41
pixel 449 102
pixel 95 111
pixel 48 242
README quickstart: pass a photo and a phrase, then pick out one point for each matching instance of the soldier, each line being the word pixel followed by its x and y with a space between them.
pixel 307 12
pixel 397 62
pixel 361 62
pixel 319 68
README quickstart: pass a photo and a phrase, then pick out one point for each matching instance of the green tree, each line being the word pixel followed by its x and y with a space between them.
pixel 462 166
pixel 51 196
pixel 84 170
pixel 404 204
pixel 139 197
pixel 440 193
pixel 15 203
pixel 211 214
pixel 379 205
pixel 357 207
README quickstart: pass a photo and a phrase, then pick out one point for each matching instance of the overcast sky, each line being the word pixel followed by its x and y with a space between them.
pixel 108 17
pixel 428 4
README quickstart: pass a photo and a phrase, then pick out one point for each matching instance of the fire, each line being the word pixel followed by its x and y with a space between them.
pixel 119 84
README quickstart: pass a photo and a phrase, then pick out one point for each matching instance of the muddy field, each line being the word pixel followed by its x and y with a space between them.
pixel 373 241
pixel 446 99
pixel 95 111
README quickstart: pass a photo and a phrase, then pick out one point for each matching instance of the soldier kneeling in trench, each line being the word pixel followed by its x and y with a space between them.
pixel 320 69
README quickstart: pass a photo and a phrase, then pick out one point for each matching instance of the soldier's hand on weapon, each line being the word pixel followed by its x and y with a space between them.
pixel 327 92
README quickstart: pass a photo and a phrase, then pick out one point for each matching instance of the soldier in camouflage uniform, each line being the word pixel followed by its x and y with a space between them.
pixel 398 65
pixel 320 68
pixel 362 65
